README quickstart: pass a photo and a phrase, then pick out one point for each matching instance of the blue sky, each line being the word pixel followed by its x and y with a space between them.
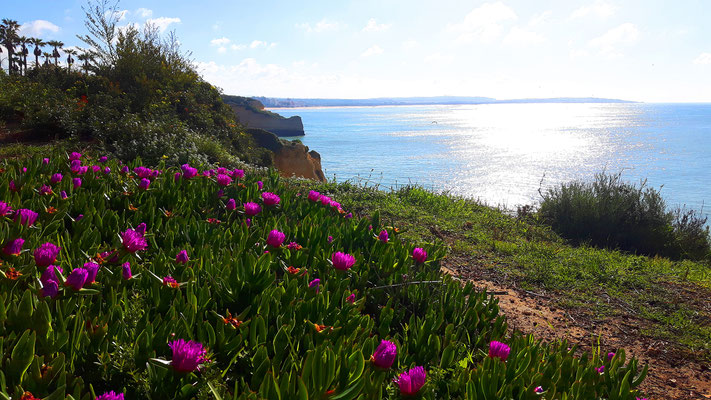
pixel 645 50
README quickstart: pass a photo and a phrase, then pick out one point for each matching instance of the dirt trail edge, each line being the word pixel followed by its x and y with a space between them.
pixel 670 376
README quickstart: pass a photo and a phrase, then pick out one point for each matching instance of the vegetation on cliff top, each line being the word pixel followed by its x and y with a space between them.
pixel 135 94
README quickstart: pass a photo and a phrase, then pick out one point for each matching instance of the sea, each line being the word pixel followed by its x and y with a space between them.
pixel 506 155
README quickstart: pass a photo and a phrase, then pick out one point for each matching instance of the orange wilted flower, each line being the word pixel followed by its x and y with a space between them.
pixel 320 328
pixel 12 274
pixel 132 208
pixel 82 102
pixel 51 210
pixel 214 221
pixel 231 320
pixel 28 396
pixel 168 214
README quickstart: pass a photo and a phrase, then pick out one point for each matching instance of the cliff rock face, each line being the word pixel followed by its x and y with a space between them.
pixel 251 114
pixel 290 158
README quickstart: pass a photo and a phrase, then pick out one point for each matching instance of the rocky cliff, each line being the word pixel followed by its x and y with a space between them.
pixel 290 158
pixel 251 114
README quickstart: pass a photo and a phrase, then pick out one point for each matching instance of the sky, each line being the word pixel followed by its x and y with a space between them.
pixel 642 50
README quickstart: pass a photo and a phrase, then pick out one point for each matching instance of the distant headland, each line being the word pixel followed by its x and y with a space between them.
pixel 275 102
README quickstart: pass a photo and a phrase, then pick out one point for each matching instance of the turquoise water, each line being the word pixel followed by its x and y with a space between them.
pixel 503 153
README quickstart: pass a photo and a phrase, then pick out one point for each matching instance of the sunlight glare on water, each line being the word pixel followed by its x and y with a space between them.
pixel 503 153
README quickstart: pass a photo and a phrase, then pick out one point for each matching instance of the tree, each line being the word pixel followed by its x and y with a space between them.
pixel 23 40
pixel 55 53
pixel 38 49
pixel 101 22
pixel 8 34
pixel 70 59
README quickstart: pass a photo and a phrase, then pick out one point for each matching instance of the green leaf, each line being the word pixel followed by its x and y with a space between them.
pixel 22 356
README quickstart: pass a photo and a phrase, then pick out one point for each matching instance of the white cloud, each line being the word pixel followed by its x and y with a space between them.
pixel 373 26
pixel 439 59
pixel 144 13
pixel 703 59
pixel 371 51
pixel 223 41
pixel 163 22
pixel 37 28
pixel 324 25
pixel 540 18
pixel 609 43
pixel 599 8
pixel 483 24
pixel 522 37
pixel 238 46
pixel 410 44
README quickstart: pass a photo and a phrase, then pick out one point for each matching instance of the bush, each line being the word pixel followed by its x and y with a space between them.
pixel 615 214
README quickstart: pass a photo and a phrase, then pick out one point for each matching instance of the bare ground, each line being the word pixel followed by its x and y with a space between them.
pixel 673 374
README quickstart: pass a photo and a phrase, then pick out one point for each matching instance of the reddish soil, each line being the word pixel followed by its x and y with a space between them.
pixel 671 375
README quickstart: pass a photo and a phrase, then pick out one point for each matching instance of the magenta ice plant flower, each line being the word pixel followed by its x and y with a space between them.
pixel 499 350
pixel 143 172
pixel 188 171
pixel 50 273
pixel 14 247
pixel 45 190
pixel 314 284
pixel 238 173
pixel 223 179
pixel 103 159
pixel 384 355
pixel 141 229
pixel 46 254
pixel 126 271
pixel 110 396
pixel 76 182
pixel 231 205
pixel 182 257
pixel 329 239
pixel 325 200
pixel 600 369
pixel 252 209
pixel 133 241
pixel 538 390
pixel 187 356
pixel 314 195
pixel 74 156
pixel 411 381
pixel 351 298
pixel 56 178
pixel 5 209
pixel 50 288
pixel 383 236
pixel 92 269
pixel 270 199
pixel 77 278
pixel 419 255
pixel 26 216
pixel 260 185
pixel 342 261
pixel 45 161
pixel 63 195
pixel 144 184
pixel 275 238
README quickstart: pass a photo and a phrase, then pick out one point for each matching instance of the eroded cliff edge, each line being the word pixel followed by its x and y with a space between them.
pixel 290 158
pixel 251 114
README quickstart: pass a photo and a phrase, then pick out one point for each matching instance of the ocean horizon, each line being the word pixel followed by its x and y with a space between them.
pixel 503 154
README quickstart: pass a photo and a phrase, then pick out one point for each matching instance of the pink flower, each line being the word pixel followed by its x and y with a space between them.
pixel 419 255
pixel 223 180
pixel 231 205
pixel 383 237
pixel 14 247
pixel 342 261
pixel 325 200
pixel 45 161
pixel 182 257
pixel 314 195
pixel 46 254
pixel 384 355
pixel 5 209
pixel 133 241
pixel 56 178
pixel 499 350
pixel 144 184
pixel 252 209
pixel 126 271
pixel 314 284
pixel 351 298
pixel 275 238
pixel 411 381
pixel 77 278
pixel 270 199
pixel 27 217
pixel 187 356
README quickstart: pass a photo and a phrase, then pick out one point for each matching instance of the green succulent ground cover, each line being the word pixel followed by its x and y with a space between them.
pixel 669 298
pixel 269 333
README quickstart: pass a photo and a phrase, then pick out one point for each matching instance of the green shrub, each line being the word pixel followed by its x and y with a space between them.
pixel 611 213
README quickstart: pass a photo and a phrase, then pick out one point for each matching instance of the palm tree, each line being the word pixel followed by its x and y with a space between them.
pixel 70 59
pixel 55 53
pixel 46 58
pixel 8 29
pixel 85 57
pixel 23 40
pixel 38 50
